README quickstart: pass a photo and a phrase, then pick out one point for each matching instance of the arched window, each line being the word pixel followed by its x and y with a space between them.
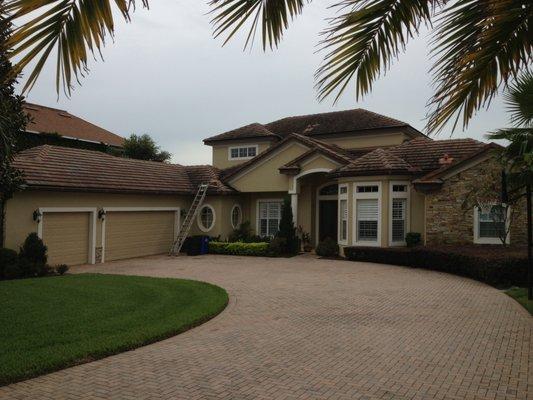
pixel 236 216
pixel 330 190
pixel 206 218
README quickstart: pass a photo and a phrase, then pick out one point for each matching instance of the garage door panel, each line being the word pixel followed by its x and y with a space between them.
pixel 66 234
pixel 137 234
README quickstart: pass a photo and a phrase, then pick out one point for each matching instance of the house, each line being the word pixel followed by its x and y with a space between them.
pixel 361 178
pixel 60 128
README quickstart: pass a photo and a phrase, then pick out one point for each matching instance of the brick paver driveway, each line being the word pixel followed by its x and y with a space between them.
pixel 305 328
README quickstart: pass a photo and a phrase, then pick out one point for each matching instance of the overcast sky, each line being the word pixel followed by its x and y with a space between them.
pixel 165 75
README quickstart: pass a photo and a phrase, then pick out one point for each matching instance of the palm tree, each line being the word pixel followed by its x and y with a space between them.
pixel 478 45
pixel 518 155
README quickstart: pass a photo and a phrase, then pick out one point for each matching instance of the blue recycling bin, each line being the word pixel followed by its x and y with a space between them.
pixel 204 245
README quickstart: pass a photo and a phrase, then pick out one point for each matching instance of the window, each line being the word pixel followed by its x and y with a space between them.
pixel 368 189
pixel 343 212
pixel 236 216
pixel 398 212
pixel 269 216
pixel 491 225
pixel 206 218
pixel 367 214
pixel 330 190
pixel 343 189
pixel 367 220
pixel 242 152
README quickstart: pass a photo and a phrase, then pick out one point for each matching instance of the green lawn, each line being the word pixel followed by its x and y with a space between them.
pixel 51 323
pixel 520 295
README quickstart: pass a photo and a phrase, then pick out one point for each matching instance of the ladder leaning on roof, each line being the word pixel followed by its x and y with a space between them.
pixel 189 219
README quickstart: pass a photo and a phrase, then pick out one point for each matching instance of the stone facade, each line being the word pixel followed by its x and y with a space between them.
pixel 448 221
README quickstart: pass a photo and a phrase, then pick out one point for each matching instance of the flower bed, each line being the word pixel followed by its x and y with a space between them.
pixel 496 266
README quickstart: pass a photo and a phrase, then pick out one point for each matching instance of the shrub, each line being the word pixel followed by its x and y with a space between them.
pixel 8 259
pixel 277 246
pixel 241 234
pixel 327 248
pixel 34 250
pixel 62 269
pixel 413 239
pixel 239 248
pixel 488 268
pixel 287 230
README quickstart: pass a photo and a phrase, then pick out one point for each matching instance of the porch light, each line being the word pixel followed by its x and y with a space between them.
pixel 37 215
pixel 101 214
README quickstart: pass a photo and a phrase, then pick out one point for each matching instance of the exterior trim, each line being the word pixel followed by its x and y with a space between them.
pixel 92 226
pixel 236 205
pixel 199 218
pixel 294 189
pixel 137 209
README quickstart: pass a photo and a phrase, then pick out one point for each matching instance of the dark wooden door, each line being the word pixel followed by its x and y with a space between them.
pixel 327 219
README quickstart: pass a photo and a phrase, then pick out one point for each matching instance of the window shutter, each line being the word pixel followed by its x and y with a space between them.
pixel 367 210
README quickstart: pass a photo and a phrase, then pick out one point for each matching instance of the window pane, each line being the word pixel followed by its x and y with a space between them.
pixel 251 151
pixel 343 213
pixel 236 216
pixel 367 230
pixel 273 226
pixel 367 219
pixel 329 190
pixel 368 189
pixel 206 217
pixel 343 189
pixel 399 188
pixel 398 219
pixel 234 153
pixel 263 228
pixel 492 225
pixel 243 152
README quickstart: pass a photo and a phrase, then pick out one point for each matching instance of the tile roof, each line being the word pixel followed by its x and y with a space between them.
pixel 64 168
pixel 52 120
pixel 314 124
pixel 206 173
pixel 377 162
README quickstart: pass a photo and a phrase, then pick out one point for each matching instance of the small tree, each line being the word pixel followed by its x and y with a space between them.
pixel 143 147
pixel 287 230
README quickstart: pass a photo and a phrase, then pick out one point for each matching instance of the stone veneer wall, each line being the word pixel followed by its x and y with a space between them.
pixel 446 220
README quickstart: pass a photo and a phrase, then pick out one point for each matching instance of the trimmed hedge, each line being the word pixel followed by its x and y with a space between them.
pixel 497 270
pixel 239 248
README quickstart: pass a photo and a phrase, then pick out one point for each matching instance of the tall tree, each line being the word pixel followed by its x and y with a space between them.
pixel 143 147
pixel 479 45
pixel 12 121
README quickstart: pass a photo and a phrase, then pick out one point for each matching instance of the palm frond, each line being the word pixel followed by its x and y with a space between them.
pixel 273 15
pixel 480 45
pixel 75 28
pixel 363 41
pixel 519 100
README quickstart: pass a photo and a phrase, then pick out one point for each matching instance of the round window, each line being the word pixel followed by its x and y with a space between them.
pixel 236 216
pixel 206 218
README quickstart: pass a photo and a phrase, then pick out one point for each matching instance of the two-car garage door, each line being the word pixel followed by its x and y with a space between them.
pixel 138 233
pixel 126 234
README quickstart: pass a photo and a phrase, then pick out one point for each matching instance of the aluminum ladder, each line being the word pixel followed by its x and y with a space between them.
pixel 189 219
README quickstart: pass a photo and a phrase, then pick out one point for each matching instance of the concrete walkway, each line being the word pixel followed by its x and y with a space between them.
pixel 305 328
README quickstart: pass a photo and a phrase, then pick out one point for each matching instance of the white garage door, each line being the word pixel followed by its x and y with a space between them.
pixel 66 234
pixel 138 233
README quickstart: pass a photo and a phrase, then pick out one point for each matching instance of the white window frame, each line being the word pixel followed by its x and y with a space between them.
pixel 359 196
pixel 486 240
pixel 400 195
pixel 258 214
pixel 231 215
pixel 242 146
pixel 343 197
pixel 92 226
pixel 199 218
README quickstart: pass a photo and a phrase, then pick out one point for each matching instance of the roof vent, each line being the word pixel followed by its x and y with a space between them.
pixel 446 159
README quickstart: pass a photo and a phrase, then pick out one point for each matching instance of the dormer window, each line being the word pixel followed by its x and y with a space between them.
pixel 242 152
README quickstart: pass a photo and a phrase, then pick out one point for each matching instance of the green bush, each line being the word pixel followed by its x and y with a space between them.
pixel 277 246
pixel 8 259
pixel 413 239
pixel 485 267
pixel 327 248
pixel 239 248
pixel 61 269
pixel 287 230
pixel 34 250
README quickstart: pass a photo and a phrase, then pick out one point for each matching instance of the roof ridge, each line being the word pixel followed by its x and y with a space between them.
pixel 41 106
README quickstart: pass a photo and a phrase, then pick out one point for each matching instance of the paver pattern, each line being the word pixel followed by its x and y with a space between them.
pixel 305 328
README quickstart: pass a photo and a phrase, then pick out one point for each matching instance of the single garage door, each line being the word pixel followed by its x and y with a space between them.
pixel 66 234
pixel 138 233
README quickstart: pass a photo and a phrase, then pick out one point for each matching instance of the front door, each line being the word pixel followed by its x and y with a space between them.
pixel 327 219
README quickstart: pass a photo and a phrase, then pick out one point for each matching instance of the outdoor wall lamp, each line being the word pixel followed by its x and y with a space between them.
pixel 37 215
pixel 101 214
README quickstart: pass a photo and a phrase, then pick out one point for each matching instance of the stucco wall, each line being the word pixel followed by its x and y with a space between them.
pixel 449 223
pixel 221 156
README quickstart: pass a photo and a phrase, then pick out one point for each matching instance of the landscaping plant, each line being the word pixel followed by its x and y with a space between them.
pixel 327 248
pixel 287 231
